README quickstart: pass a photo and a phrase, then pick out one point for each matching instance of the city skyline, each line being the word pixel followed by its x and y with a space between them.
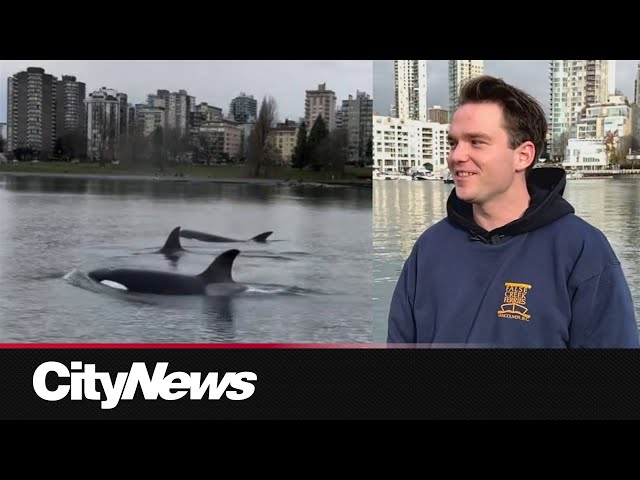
pixel 530 75
pixel 215 82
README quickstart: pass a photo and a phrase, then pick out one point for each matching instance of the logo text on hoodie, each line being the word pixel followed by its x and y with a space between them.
pixel 515 301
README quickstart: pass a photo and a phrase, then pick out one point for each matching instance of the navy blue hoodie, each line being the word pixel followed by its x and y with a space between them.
pixel 545 280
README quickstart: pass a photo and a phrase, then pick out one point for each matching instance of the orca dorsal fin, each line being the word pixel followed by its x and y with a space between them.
pixel 261 238
pixel 220 269
pixel 173 241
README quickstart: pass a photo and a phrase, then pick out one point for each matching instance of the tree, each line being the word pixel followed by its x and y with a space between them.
pixel 59 149
pixel 338 151
pixel 25 152
pixel 368 155
pixel 610 142
pixel 126 149
pixel 299 157
pixel 209 146
pixel 184 146
pixel 157 148
pixel 79 143
pixel 71 145
pixel 560 145
pixel 260 157
pixel 107 149
pixel 317 138
pixel 134 148
pixel 1 143
pixel 428 166
pixel 175 145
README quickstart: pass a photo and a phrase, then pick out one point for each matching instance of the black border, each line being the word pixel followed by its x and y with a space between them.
pixel 350 384
pixel 328 31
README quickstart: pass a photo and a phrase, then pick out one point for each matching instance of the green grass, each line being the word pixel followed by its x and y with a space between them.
pixel 351 175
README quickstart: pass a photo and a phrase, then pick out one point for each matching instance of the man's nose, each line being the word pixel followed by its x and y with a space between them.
pixel 459 153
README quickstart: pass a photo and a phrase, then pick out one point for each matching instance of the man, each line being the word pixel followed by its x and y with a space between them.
pixel 511 266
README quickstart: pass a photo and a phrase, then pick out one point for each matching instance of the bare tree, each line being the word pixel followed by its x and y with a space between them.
pixel 209 146
pixel 125 148
pixel 260 156
pixel 610 143
pixel 107 149
pixel 140 148
pixel 158 150
pixel 175 145
pixel 560 144
pixel 204 150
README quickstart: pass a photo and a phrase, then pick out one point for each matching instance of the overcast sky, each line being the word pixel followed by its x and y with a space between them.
pixel 213 81
pixel 530 75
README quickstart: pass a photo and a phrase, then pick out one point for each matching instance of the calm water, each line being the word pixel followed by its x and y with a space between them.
pixel 311 282
pixel 402 210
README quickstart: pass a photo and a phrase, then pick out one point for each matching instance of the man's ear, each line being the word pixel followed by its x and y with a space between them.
pixel 525 155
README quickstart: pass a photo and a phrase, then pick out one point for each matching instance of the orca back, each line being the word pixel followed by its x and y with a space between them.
pixel 150 281
pixel 204 237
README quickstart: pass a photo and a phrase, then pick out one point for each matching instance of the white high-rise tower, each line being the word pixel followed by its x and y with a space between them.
pixel 574 85
pixel 459 72
pixel 612 76
pixel 411 89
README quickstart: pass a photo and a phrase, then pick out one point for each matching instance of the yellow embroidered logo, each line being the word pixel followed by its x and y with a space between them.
pixel 515 299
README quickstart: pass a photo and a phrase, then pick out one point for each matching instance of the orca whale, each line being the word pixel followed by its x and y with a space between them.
pixel 172 246
pixel 206 237
pixel 218 273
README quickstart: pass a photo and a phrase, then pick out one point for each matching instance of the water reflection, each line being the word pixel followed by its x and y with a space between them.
pixel 218 309
pixel 159 188
pixel 30 183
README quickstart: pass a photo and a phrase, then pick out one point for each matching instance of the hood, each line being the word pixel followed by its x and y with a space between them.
pixel 545 185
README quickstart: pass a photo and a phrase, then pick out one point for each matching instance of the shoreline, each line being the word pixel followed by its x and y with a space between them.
pixel 186 179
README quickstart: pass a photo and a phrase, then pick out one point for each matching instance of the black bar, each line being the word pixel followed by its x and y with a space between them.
pixel 359 384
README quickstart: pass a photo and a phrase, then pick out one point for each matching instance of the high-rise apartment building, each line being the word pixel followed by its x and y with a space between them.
pixel 410 80
pixel 574 86
pixel 459 72
pixel 320 102
pixel 31 111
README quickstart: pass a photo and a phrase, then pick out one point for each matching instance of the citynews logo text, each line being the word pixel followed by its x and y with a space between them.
pixel 83 380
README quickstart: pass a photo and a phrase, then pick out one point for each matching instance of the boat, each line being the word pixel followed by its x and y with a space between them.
pixel 391 176
pixel 378 175
pixel 426 176
pixel 587 175
pixel 448 179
